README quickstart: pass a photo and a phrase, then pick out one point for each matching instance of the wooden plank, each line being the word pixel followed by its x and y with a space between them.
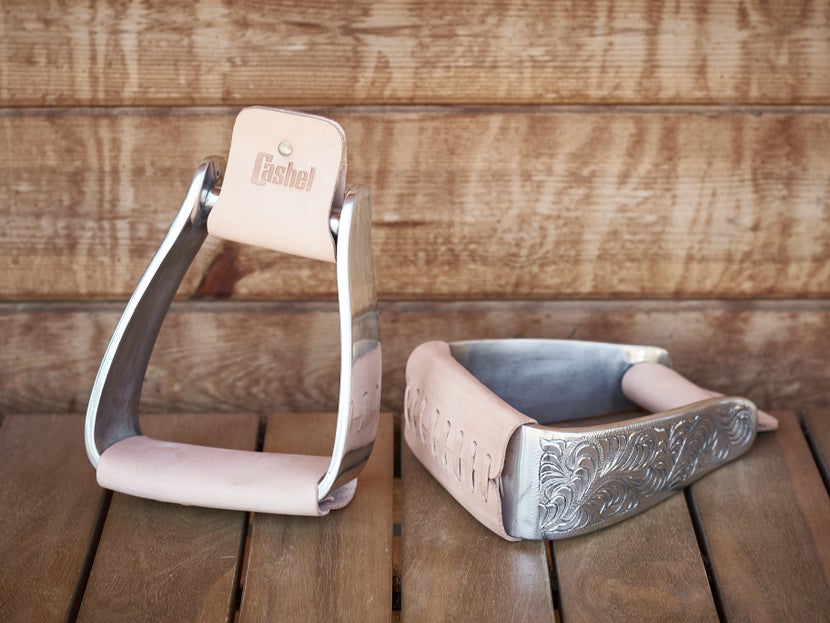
pixel 104 163
pixel 453 568
pixel 230 357
pixel 817 426
pixel 766 522
pixel 324 569
pixel 525 203
pixel 411 51
pixel 166 562
pixel 49 507
pixel 647 568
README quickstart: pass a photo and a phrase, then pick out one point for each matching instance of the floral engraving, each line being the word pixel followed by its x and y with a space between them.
pixel 602 479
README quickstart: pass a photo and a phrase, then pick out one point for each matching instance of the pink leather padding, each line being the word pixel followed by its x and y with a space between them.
pixel 262 482
pixel 657 388
pixel 459 430
pixel 281 202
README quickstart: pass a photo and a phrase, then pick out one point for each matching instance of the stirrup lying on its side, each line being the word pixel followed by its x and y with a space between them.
pixel 482 418
pixel 283 190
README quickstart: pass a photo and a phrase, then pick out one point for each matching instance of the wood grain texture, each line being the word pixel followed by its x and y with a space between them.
pixel 413 51
pixel 766 521
pixel 335 568
pixel 647 568
pixel 524 203
pixel 817 426
pixel 258 357
pixel 455 569
pixel 166 562
pixel 49 505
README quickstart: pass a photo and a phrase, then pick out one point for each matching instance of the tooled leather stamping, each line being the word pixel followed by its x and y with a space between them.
pixel 486 419
pixel 283 190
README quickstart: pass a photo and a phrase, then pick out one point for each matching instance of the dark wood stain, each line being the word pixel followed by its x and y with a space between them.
pixel 222 275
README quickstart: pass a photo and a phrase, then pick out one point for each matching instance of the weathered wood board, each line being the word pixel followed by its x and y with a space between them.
pixel 413 51
pixel 453 568
pixel 506 204
pixel 766 525
pixel 51 510
pixel 258 357
pixel 324 569
pixel 159 561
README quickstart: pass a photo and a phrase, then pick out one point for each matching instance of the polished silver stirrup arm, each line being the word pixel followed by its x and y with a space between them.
pixel 284 189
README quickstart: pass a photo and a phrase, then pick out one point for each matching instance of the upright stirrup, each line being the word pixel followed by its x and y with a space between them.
pixel 284 189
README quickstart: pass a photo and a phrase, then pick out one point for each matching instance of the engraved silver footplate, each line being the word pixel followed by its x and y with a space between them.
pixel 561 481
pixel 112 414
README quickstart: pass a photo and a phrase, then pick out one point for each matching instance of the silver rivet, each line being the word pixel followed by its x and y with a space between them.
pixel 285 148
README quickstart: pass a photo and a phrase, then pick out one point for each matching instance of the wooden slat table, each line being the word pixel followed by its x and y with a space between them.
pixel 749 542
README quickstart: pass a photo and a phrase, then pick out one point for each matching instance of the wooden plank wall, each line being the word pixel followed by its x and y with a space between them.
pixel 626 171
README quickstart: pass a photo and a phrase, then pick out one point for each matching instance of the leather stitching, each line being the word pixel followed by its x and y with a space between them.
pixel 446 445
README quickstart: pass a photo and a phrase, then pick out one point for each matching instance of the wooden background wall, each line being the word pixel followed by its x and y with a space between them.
pixel 648 172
